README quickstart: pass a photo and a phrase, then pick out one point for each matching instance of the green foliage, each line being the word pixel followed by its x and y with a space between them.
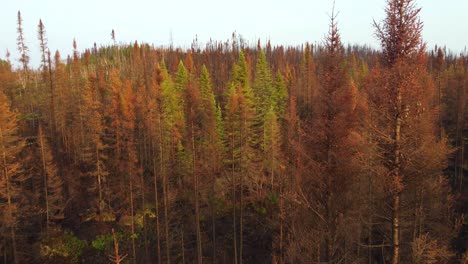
pixel 65 245
pixel 301 149
pixel 107 217
pixel 273 198
pixel 29 116
pixel 219 123
pixel 241 78
pixel 206 90
pixel 260 209
pixel 271 144
pixel 241 71
pixel 140 217
pixel 212 123
pixel 263 87
pixel 279 96
pixel 181 78
pixel 173 108
pixel 240 110
pixel 102 242
pixel 5 64
pixel 271 132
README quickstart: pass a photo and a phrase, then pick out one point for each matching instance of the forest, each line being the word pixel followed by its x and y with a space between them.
pixel 230 152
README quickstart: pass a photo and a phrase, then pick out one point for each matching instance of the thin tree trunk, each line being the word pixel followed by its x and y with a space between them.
pixel 166 220
pixel 44 174
pixel 421 218
pixel 5 255
pixel 132 211
pixel 164 189
pixel 319 253
pixel 233 196
pixel 156 206
pixel 183 245
pixel 52 99
pixel 396 229
pixel 212 208
pixel 439 97
pixel 397 180
pixel 213 223
pixel 82 137
pixel 460 135
pixel 197 206
pixel 9 202
pixel 369 228
pixel 99 180
pixel 417 215
pixel 462 169
pixel 281 220
pixel 143 207
pixel 241 196
pixel 156 199
pixel 12 228
pixel 13 242
pixel 116 258
pixel 143 164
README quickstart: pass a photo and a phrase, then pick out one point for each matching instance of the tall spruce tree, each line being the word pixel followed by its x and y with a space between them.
pixel 11 179
pixel 408 93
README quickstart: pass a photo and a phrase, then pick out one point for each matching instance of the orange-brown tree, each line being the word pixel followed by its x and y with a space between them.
pixel 10 181
pixel 93 149
pixel 330 166
pixel 307 82
pixel 407 127
pixel 52 182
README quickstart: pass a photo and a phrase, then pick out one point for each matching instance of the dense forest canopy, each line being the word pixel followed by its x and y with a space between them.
pixel 232 153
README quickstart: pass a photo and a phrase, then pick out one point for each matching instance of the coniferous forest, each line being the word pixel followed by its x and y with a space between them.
pixel 233 152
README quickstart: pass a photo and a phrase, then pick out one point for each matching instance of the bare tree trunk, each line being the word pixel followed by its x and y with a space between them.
pixel 156 198
pixel 82 137
pixel 164 189
pixel 116 258
pixel 156 206
pixel 143 207
pixel 44 174
pixel 213 174
pixel 99 181
pixel 132 211
pixel 281 250
pixel 182 244
pixel 166 220
pixel 439 97
pixel 52 98
pixel 396 229
pixel 397 180
pixel 369 228
pixel 233 197
pixel 197 206
pixel 12 228
pixel 213 223
pixel 319 253
pixel 462 170
pixel 460 135
pixel 9 202
pixel 5 255
pixel 241 196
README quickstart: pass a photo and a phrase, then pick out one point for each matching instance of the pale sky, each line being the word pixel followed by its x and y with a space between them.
pixel 288 22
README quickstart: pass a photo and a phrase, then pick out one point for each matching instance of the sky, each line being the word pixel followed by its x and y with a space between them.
pixel 285 22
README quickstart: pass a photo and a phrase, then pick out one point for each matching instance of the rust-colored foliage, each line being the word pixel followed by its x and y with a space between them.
pixel 236 152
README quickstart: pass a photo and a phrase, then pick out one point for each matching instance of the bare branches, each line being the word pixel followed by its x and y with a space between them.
pixel 116 258
pixel 22 47
pixel 400 33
